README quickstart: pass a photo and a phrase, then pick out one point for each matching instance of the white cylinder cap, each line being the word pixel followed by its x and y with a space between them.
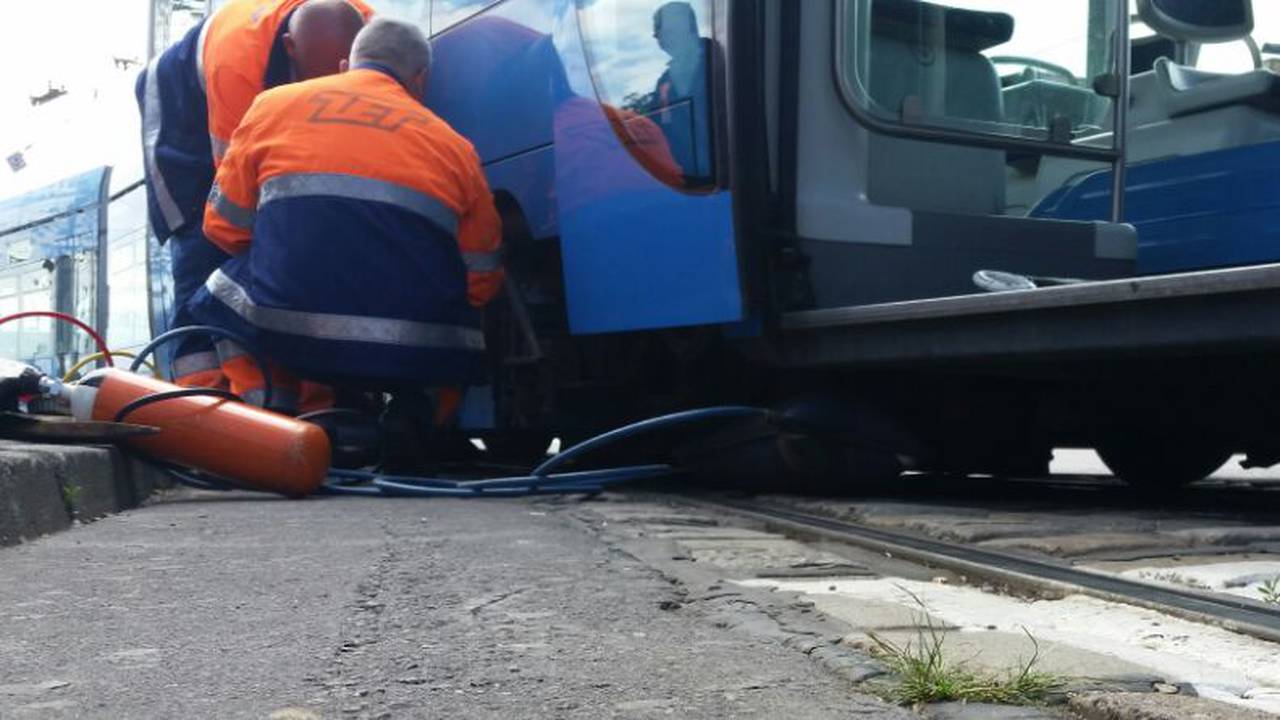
pixel 82 398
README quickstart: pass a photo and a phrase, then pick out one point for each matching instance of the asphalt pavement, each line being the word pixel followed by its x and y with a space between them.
pixel 237 606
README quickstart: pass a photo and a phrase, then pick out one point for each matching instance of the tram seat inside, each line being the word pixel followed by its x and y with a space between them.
pixel 917 76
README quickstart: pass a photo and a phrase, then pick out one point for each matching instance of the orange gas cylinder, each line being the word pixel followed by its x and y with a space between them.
pixel 258 448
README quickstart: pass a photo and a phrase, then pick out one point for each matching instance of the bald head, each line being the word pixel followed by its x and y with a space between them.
pixel 320 35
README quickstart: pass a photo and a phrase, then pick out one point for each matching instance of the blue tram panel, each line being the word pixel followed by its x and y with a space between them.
pixel 598 118
pixel 1193 212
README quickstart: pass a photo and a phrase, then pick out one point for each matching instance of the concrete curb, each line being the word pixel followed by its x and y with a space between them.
pixel 1154 706
pixel 45 488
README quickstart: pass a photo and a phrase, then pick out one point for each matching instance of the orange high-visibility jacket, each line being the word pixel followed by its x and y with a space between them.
pixel 363 229
pixel 239 45
pixel 193 95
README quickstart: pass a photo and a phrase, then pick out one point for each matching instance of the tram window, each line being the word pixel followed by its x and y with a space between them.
pixel 414 11
pixel 653 64
pixel 1002 67
pixel 451 12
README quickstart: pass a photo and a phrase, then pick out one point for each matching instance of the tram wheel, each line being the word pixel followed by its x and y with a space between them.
pixel 1164 463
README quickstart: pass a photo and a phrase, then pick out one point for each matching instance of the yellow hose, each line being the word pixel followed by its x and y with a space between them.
pixel 75 369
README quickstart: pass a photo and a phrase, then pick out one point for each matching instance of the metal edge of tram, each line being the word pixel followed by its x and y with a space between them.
pixel 1239 615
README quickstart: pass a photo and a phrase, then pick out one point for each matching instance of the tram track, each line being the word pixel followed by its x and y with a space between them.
pixel 1016 571
pixel 1242 499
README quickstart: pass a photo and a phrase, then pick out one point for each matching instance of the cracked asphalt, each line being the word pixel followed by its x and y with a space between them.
pixel 231 606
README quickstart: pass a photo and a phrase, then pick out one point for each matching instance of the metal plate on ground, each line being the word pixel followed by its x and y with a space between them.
pixel 59 429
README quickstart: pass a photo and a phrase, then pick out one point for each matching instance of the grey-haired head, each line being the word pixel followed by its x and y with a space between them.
pixel 397 46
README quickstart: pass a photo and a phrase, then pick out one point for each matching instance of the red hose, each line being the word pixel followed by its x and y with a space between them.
pixel 97 339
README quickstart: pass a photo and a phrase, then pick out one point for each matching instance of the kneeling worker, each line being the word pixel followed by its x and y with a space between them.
pixel 363 234
pixel 193 96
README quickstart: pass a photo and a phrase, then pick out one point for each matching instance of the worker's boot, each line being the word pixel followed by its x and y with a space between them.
pixel 355 437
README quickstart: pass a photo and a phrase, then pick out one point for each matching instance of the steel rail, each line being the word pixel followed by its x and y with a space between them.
pixel 1232 613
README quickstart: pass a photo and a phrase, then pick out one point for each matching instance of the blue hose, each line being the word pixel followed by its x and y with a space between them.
pixel 589 482
pixel 541 481
pixel 147 350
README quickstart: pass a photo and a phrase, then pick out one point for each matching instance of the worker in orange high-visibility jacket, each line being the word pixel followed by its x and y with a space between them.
pixel 364 235
pixel 193 95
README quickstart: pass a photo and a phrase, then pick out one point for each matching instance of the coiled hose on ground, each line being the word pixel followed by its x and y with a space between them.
pixel 541 480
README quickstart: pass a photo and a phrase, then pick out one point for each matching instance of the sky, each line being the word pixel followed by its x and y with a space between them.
pixel 71 44
pixel 74 44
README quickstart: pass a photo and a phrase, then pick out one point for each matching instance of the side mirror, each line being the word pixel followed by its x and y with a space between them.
pixel 1199 21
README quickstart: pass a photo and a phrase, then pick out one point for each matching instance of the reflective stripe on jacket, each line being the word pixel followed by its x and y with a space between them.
pixel 364 232
pixel 175 137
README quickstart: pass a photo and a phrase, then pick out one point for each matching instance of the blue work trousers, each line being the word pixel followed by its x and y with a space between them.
pixel 194 259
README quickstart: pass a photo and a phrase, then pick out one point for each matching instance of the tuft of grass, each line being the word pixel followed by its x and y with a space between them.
pixel 71 497
pixel 925 675
pixel 1270 591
